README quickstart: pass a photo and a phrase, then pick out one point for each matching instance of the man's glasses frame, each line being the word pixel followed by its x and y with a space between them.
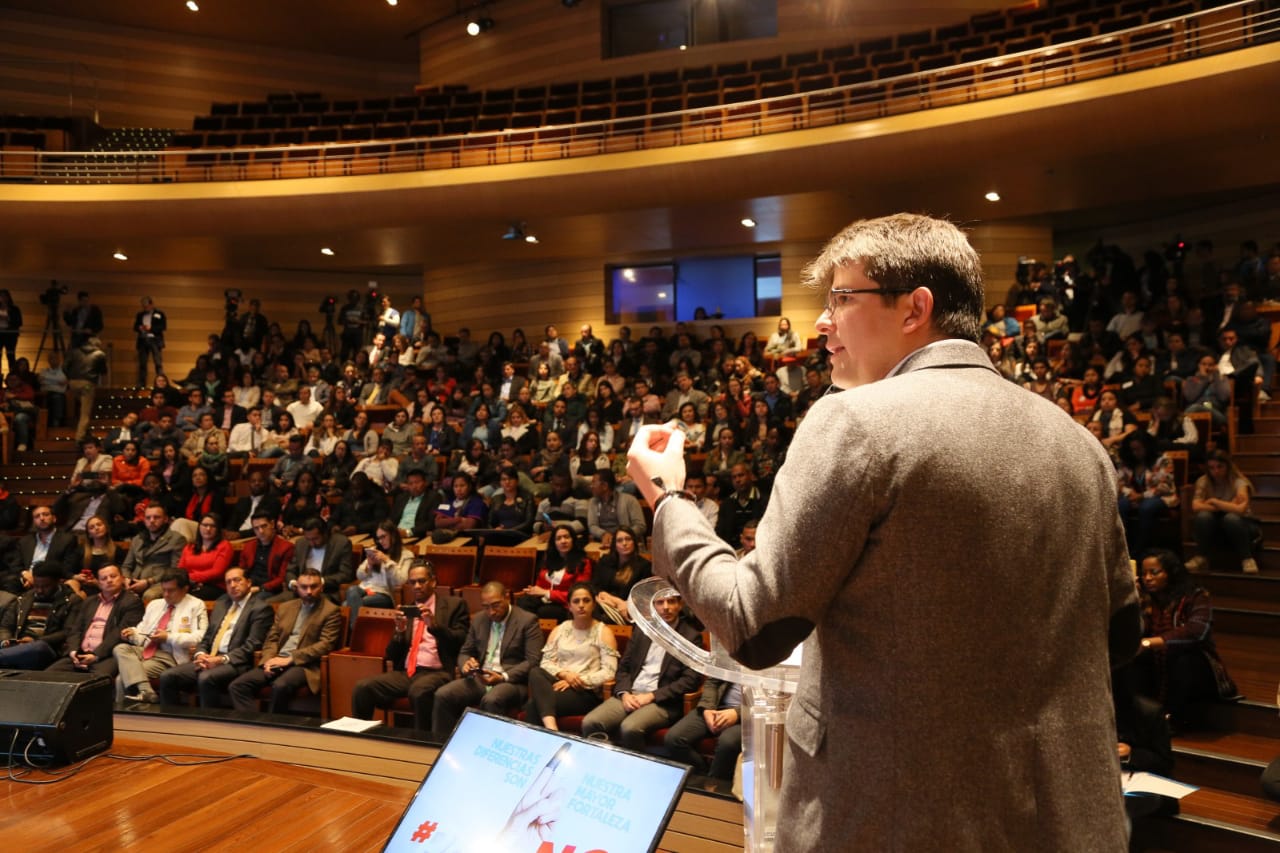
pixel 834 295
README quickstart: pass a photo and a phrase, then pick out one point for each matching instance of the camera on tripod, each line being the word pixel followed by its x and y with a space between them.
pixel 328 305
pixel 53 295
pixel 232 296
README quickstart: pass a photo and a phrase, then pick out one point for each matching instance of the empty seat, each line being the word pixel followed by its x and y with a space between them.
pixel 1026 44
pixel 375 104
pixel 795 60
pixel 630 81
pixel 241 122
pixel 207 123
pixel 224 109
pixel 915 38
pixel 697 72
pixel 726 69
pixel 660 78
pixel 878 45
pixel 766 64
pixel 562 89
pixel 951 31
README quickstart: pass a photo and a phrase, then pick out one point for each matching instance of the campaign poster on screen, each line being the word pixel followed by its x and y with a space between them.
pixel 498 785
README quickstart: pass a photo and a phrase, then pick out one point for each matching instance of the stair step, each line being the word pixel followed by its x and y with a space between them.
pixel 1257 463
pixel 1258 443
pixel 1212 820
pixel 1227 761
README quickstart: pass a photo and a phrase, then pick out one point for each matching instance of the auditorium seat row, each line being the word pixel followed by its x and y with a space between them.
pixel 984 36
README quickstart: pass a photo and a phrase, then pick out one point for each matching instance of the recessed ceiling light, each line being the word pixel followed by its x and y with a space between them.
pixel 748 222
pixel 193 5
pixel 529 238
pixel 327 252
pixel 992 196
pixel 120 256
pixel 662 294
pixel 684 47
pixel 629 274
pixel 392 2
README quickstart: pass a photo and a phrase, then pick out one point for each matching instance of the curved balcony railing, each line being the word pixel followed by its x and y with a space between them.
pixel 1228 27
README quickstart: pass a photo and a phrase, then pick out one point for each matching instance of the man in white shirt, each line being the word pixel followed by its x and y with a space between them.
pixel 250 438
pixel 236 631
pixel 304 409
pixel 649 691
pixel 171 626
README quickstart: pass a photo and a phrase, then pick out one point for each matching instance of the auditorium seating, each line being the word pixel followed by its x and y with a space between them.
pixel 992 54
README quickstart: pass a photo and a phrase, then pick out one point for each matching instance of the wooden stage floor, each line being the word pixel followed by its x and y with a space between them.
pixel 307 790
pixel 241 804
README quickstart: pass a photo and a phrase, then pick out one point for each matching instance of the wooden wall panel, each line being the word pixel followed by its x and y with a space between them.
pixel 193 303
pixel 489 296
pixel 533 42
pixel 143 78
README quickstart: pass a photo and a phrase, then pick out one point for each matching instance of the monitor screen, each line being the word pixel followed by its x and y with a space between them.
pixel 501 786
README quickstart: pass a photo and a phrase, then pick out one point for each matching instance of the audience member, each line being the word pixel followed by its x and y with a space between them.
pixel 305 629
pixel 170 627
pixel 580 655
pixel 423 652
pixel 95 631
pixel 382 572
pixel 1224 514
pixel 648 692
pixel 206 559
pixel 43 617
pixel 322 550
pixel 153 553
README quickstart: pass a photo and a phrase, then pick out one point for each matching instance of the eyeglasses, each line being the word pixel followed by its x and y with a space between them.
pixel 836 296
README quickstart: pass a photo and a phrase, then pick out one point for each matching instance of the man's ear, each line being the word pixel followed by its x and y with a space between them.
pixel 920 311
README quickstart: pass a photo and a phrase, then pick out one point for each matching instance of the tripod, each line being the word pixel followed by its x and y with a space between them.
pixel 329 337
pixel 52 324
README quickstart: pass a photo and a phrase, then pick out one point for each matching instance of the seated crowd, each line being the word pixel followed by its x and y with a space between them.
pixel 204 543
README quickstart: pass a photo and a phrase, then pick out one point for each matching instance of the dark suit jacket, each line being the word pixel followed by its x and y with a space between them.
pixel 239 415
pixel 320 636
pixel 278 563
pixel 424 518
pixel 338 568
pixel 248 634
pixel 126 613
pixel 64 550
pixel 269 505
pixel 158 326
pixel 675 677
pixel 8 615
pixel 920 619
pixel 517 382
pixel 522 643
pixel 448 625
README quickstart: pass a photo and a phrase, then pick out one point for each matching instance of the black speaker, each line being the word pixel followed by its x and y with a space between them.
pixel 55 717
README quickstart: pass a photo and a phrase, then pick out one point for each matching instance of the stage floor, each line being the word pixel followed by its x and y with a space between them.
pixel 307 790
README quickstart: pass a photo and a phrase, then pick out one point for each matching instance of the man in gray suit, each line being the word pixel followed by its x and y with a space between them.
pixel 502 645
pixel 955 689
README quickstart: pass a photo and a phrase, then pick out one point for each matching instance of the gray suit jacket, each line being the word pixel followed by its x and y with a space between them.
pixel 522 643
pixel 955 690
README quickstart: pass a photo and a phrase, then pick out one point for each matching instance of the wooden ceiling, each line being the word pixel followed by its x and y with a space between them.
pixel 363 29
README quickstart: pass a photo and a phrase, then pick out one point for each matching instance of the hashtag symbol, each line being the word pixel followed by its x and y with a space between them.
pixel 424 830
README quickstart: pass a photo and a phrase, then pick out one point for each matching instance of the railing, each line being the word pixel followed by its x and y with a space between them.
pixel 1231 26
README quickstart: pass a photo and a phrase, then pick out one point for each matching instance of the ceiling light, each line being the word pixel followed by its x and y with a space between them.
pixel 392 2
pixel 193 5
pixel 748 222
pixel 629 274
pixel 992 196
pixel 479 25
pixel 662 294
pixel 120 256
pixel 327 252
pixel 529 238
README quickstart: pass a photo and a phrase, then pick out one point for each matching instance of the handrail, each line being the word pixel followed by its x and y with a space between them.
pixel 1207 31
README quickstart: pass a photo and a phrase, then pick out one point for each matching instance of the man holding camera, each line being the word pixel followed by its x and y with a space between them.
pixel 423 650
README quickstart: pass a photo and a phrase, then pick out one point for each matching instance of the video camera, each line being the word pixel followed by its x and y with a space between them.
pixel 328 306
pixel 53 295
